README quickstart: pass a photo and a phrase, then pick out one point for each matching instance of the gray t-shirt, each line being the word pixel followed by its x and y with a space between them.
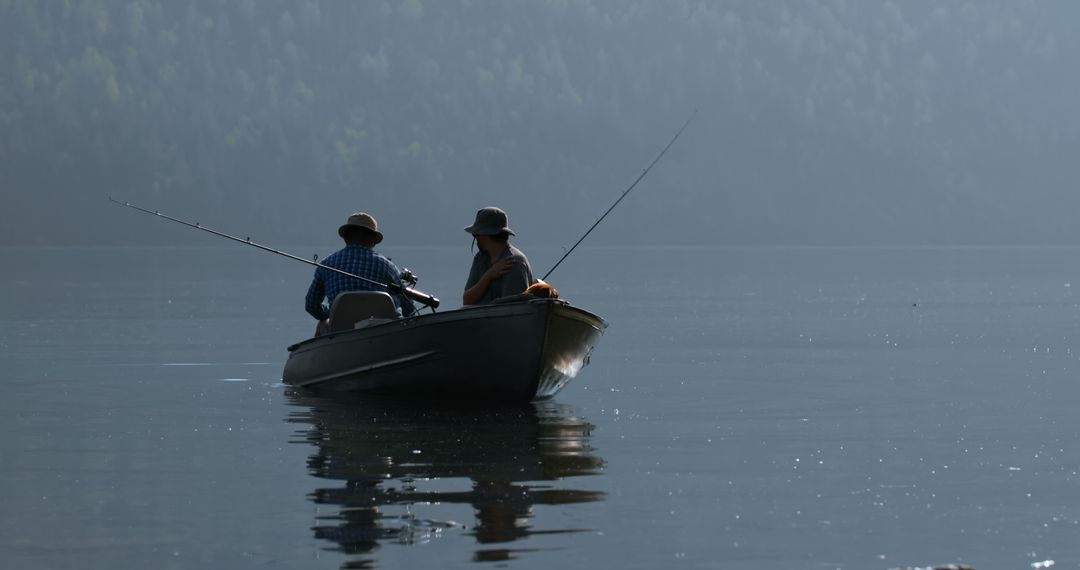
pixel 514 282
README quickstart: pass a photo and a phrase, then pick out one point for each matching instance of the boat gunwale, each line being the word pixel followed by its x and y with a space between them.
pixel 481 312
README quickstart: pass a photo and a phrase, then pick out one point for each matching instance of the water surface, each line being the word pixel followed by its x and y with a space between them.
pixel 791 408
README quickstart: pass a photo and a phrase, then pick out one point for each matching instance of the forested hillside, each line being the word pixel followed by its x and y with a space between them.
pixel 820 121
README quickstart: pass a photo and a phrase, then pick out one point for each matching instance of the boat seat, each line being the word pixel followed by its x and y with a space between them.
pixel 353 307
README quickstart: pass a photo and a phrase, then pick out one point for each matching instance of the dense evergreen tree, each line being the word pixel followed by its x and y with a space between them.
pixel 821 121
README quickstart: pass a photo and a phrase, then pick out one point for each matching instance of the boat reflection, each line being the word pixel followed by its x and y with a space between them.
pixel 408 471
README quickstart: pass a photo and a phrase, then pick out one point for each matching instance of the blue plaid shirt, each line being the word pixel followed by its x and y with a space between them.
pixel 358 260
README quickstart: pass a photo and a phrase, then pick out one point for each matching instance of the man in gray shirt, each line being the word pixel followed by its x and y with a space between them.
pixel 498 269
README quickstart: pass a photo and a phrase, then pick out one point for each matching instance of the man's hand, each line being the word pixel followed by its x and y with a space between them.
pixel 498 269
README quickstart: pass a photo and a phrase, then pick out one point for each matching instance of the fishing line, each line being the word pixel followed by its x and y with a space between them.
pixel 625 192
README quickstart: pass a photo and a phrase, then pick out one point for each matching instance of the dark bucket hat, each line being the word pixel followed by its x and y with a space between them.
pixel 361 220
pixel 489 221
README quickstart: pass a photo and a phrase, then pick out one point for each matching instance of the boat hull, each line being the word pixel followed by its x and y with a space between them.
pixel 501 352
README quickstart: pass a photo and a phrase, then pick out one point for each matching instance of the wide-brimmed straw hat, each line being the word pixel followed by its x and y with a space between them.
pixel 361 220
pixel 489 221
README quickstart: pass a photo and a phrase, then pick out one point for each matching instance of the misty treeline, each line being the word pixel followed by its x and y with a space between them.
pixel 820 121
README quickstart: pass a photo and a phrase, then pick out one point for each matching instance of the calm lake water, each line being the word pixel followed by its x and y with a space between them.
pixel 747 408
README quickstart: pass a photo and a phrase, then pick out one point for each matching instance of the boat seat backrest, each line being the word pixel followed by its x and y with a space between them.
pixel 351 307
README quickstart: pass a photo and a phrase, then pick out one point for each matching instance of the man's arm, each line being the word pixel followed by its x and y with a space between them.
pixel 392 275
pixel 313 301
pixel 514 282
pixel 473 295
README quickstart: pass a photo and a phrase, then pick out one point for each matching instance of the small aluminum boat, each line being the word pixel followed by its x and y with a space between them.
pixel 516 351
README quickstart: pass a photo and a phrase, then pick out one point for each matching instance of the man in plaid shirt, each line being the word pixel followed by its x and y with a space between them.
pixel 361 234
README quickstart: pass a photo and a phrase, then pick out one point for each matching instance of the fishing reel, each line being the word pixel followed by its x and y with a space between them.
pixel 408 277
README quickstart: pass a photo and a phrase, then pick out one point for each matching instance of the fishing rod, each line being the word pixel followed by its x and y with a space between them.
pixel 413 294
pixel 625 192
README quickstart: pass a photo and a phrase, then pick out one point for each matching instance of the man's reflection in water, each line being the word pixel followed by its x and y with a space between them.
pixel 385 452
